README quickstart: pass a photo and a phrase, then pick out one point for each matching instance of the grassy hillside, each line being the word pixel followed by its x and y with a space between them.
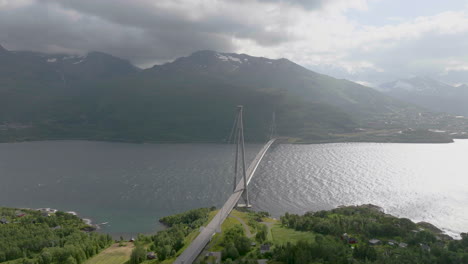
pixel 115 254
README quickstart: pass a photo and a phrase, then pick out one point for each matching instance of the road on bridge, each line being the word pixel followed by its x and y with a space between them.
pixel 195 248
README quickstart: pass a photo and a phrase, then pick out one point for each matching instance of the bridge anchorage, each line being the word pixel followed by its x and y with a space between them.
pixel 190 254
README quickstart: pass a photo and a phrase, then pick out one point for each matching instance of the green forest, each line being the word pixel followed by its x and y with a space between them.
pixel 35 237
pixel 348 235
pixel 366 235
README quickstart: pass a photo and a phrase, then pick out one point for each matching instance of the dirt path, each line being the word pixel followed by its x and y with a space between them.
pixel 246 227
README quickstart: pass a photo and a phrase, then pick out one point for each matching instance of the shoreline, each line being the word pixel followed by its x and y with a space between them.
pixel 281 142
pixel 456 235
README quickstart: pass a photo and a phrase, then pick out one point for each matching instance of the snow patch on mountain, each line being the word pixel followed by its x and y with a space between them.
pixel 228 58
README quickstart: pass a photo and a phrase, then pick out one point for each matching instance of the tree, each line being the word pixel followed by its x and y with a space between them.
pixel 242 245
pixel 138 255
pixel 71 260
pixel 261 233
pixel 230 252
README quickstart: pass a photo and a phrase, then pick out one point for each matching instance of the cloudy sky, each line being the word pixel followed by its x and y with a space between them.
pixel 369 41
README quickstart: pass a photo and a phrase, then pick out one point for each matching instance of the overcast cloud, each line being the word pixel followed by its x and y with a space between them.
pixel 369 41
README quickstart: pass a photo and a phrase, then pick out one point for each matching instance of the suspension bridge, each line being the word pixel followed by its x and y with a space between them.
pixel 239 190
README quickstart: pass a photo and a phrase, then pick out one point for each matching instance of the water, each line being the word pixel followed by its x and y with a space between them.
pixel 132 185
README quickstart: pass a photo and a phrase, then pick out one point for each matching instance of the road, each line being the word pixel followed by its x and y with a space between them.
pixel 191 252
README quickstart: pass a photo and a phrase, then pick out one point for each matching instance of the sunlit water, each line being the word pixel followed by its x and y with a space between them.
pixel 130 186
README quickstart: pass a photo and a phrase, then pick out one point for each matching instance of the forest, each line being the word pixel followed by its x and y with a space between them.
pixel 353 234
pixel 365 234
pixel 35 237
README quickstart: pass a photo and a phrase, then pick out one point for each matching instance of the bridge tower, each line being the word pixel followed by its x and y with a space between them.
pixel 240 155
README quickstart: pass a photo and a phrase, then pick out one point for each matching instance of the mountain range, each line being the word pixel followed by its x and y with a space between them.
pixel 429 93
pixel 192 99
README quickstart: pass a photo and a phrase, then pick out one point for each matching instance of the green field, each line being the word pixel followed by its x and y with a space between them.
pixel 113 255
pixel 282 235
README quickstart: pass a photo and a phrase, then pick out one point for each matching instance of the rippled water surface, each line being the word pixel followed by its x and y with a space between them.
pixel 132 185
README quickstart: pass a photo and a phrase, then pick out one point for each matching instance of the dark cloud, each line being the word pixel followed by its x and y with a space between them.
pixel 139 30
pixel 47 28
pixel 154 31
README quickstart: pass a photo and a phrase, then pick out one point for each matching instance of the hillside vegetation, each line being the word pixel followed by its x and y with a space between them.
pixel 354 234
pixel 32 237
pixel 192 99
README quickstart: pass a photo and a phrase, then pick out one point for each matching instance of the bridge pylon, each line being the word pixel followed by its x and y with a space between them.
pixel 240 156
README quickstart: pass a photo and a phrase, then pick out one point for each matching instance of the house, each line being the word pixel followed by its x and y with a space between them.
pixel 132 240
pixel 151 255
pixel 264 248
pixel 374 242
pixel 347 238
pixel 402 245
pixel 344 236
pixel 392 242
pixel 3 221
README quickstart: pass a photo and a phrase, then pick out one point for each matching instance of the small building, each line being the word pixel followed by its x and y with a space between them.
pixel 392 242
pixel 132 239
pixel 3 221
pixel 151 255
pixel 344 236
pixel 264 248
pixel 348 239
pixel 375 242
pixel 403 245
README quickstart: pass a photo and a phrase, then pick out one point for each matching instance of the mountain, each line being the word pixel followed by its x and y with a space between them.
pixel 101 97
pixel 284 76
pixel 61 68
pixel 431 94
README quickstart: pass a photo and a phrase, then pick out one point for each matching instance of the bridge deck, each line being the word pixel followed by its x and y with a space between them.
pixel 195 248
